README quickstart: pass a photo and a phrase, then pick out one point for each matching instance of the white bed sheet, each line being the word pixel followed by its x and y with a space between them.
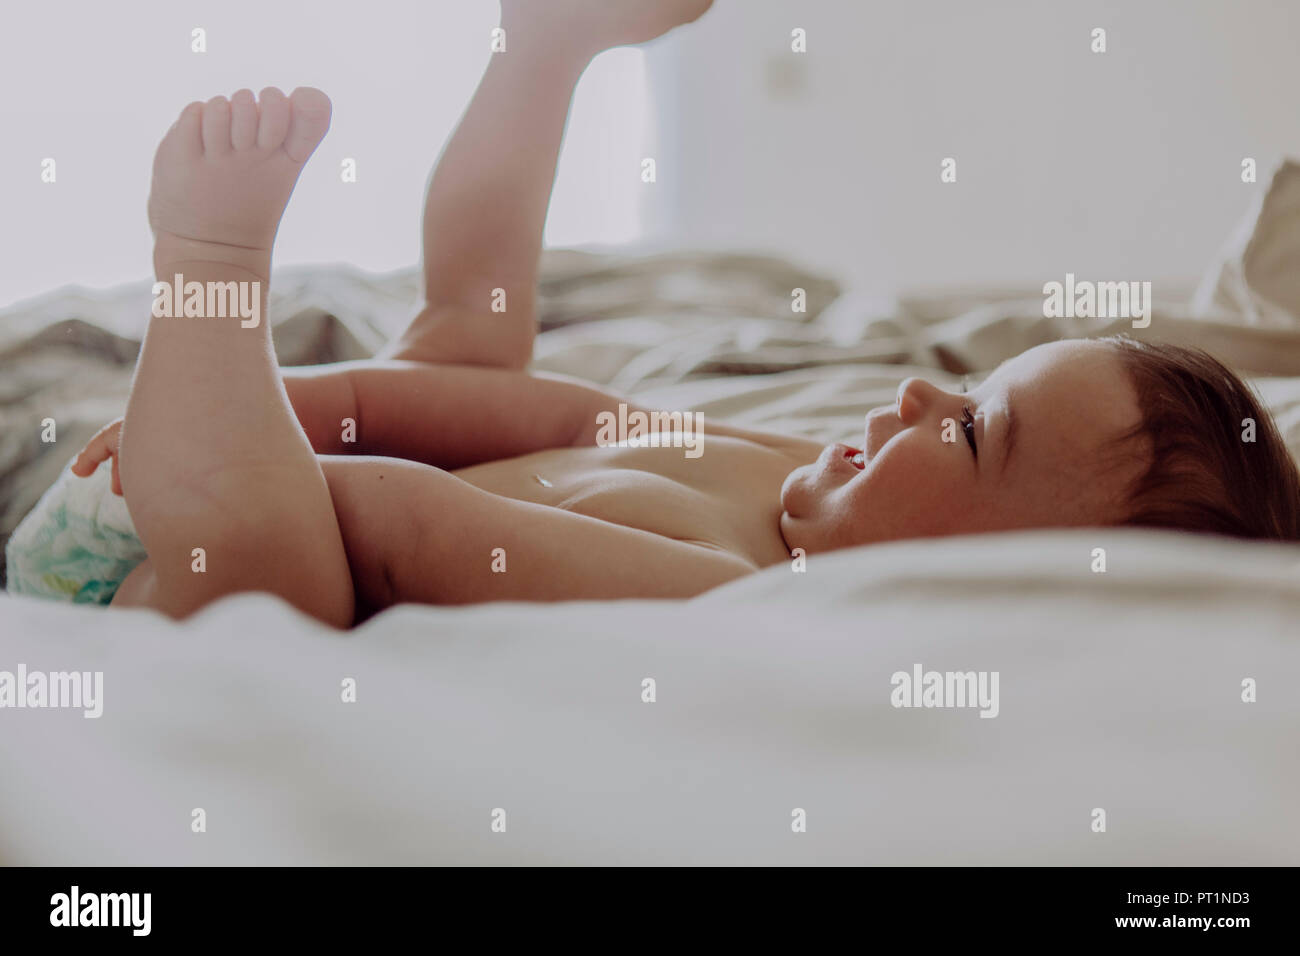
pixel 1120 691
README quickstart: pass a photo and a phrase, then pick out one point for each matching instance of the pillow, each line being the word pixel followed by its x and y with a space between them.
pixel 1257 279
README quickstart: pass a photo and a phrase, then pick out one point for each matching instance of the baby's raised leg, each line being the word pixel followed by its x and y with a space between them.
pixel 486 203
pixel 485 209
pixel 213 457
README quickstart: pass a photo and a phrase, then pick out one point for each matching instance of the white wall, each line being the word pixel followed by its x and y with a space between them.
pixel 1117 165
pixel 95 85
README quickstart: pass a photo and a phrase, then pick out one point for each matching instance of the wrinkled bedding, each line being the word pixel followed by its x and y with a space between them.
pixel 1120 690
pixel 709 331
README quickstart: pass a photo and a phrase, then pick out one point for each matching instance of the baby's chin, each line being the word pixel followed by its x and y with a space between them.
pixel 805 534
pixel 803 486
pixel 802 535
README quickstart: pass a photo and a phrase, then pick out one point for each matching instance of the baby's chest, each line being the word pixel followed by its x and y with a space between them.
pixel 644 500
pixel 712 497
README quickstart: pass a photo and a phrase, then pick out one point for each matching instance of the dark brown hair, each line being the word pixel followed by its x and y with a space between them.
pixel 1201 474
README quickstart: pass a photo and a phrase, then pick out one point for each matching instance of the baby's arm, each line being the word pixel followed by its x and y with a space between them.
pixel 445 415
pixel 453 416
pixel 416 533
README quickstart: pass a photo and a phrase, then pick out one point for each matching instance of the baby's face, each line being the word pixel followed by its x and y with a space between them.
pixel 1027 454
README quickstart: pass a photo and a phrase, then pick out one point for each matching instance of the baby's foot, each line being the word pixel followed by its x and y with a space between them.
pixel 223 175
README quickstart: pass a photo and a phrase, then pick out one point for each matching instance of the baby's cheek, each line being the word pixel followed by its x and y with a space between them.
pixel 900 502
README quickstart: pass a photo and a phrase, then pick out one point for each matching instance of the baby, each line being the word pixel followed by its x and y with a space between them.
pixel 466 478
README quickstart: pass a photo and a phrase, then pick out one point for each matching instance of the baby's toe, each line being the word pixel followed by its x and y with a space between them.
pixel 216 126
pixel 243 120
pixel 308 124
pixel 185 138
pixel 274 122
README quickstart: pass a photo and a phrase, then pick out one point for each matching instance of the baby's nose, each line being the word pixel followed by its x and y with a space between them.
pixel 913 396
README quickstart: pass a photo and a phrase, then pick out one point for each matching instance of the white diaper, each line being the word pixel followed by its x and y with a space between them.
pixel 78 544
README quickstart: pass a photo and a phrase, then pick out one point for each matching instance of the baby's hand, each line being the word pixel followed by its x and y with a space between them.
pixel 103 445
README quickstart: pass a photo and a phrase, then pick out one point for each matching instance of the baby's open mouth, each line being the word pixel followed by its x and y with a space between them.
pixel 858 458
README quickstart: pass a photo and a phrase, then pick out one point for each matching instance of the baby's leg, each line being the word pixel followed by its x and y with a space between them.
pixel 486 206
pixel 487 198
pixel 212 455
